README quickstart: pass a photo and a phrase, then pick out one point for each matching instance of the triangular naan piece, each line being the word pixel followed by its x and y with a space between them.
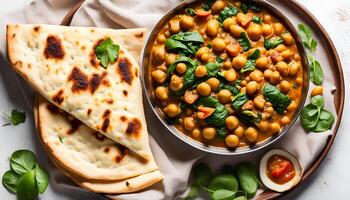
pixel 60 63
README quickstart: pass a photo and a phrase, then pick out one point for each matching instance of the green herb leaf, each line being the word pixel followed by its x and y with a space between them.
pixel 221 132
pixel 325 121
pixel 11 180
pixel 42 178
pixel 227 12
pixel 246 178
pixel 240 198
pixel 316 73
pixel 279 101
pixel 193 192
pixel 188 61
pixel 201 174
pixel 255 55
pixel 218 118
pixel 233 88
pixel 209 101
pixel 223 194
pixel 207 4
pixel 27 188
pixel 246 5
pixel 190 11
pixel 218 59
pixel 249 117
pixel 22 161
pixel 212 69
pixel 256 19
pixel 309 117
pixel 318 101
pixel 107 52
pixel 272 42
pixel 225 181
pixel 186 43
pixel 249 66
pixel 244 41
pixel 239 100
pixel 16 117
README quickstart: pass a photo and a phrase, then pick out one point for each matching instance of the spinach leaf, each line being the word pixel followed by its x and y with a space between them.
pixel 244 41
pixel 249 117
pixel 221 132
pixel 255 55
pixel 246 177
pixel 218 118
pixel 225 181
pixel 201 174
pixel 212 69
pixel 218 59
pixel 194 191
pixel 186 43
pixel 247 4
pixel 16 117
pixel 272 42
pixel 184 59
pixel 240 198
pixel 223 194
pixel 207 4
pixel 239 100
pixel 279 101
pixel 325 121
pixel 318 101
pixel 22 161
pixel 249 66
pixel 209 101
pixel 305 33
pixel 309 117
pixel 190 11
pixel 42 178
pixel 11 180
pixel 227 12
pixel 257 20
pixel 316 73
pixel 233 88
pixel 27 188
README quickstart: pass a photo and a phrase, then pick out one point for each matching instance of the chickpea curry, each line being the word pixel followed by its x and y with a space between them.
pixel 226 73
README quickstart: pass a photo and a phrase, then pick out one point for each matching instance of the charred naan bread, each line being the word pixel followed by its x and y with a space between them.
pixel 60 63
pixel 83 151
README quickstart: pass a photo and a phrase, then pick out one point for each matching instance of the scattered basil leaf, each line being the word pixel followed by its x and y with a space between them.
pixel 244 41
pixel 15 118
pixel 11 180
pixel 223 194
pixel 27 188
pixel 279 101
pixel 239 100
pixel 107 52
pixel 225 181
pixel 201 174
pixel 207 4
pixel 42 178
pixel 246 177
pixel 218 117
pixel 212 69
pixel 257 19
pixel 190 11
pixel 22 161
pixel 272 42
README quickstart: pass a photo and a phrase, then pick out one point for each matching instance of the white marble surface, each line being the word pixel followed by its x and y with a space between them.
pixel 330 180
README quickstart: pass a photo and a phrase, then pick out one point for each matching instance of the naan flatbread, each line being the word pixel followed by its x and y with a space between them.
pixel 83 151
pixel 60 63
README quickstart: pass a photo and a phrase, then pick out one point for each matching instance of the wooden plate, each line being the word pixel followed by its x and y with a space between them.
pixel 337 73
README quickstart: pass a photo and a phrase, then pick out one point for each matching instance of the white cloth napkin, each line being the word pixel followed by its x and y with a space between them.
pixel 174 157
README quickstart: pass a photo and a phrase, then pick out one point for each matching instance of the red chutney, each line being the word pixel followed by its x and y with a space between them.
pixel 280 169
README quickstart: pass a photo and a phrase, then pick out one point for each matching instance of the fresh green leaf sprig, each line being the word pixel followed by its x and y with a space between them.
pixel 244 41
pixel 16 117
pixel 314 117
pixel 107 52
pixel 238 183
pixel 316 72
pixel 26 178
pixel 250 65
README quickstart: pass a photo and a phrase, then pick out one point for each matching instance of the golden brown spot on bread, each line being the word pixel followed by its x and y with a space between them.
pixel 124 70
pixel 95 81
pixel 136 72
pixel 110 101
pixel 29 66
pixel 123 152
pixel 58 97
pixel 79 79
pixel 134 127
pixel 106 113
pixel 99 136
pixel 139 35
pixel 36 28
pixel 74 125
pixel 123 118
pixel 107 149
pixel 89 111
pixel 13 35
pixel 127 183
pixel 125 93
pixel 106 121
pixel 53 49
pixel 53 109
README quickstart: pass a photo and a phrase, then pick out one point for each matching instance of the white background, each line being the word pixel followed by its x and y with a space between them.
pixel 329 182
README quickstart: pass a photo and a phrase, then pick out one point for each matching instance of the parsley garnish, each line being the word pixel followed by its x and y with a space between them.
pixel 15 118
pixel 107 52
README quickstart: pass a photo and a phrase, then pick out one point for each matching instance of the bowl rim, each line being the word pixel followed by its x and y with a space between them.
pixel 145 79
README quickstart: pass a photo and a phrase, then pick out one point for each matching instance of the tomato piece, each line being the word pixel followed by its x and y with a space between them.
pixel 204 112
pixel 202 13
pixel 191 96
pixel 282 169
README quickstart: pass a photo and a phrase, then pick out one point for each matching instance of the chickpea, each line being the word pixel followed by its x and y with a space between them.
pixel 224 96
pixel 262 62
pixel 264 125
pixel 278 28
pixel 201 51
pixel 275 127
pixel 218 45
pixel 170 59
pixel 229 109
pixel 239 62
pixel 299 81
pixel 212 28
pixel 287 39
pixel 282 68
pixel 269 110
pixel 172 110
pixel 233 49
pixel 209 133
pixel 213 83
pixel 232 123
pixel 205 57
pixel 296 57
pixel 285 120
pixel 232 141
pixel 318 90
pixel 163 68
pixel 224 56
pixel 200 71
pixel 196 133
pixel 266 30
pixel 294 68
pixel 292 106
pixel 228 22
pixel 280 48
pixel 187 22
pixel 189 123
pixel 227 65
pixel 267 74
pixel 161 38
pixel 230 75
pixel 176 83
pixel 256 75
pixel 239 131
pixel 287 54
pixel 236 30
pixel 259 102
pixel 251 134
pixel 181 68
pixel 159 76
pixel 217 6
pixel 275 78
pixel 254 32
pixel 267 19
pixel 204 89
pixel 252 87
pixel 162 93
pixel 174 26
pixel 158 55
pixel 285 86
